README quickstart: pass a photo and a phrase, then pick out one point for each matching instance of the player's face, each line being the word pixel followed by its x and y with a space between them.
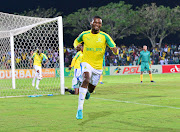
pixel 40 51
pixel 96 24
pixel 145 48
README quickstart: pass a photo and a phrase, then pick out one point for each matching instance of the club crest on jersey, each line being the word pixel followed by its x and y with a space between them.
pixel 99 40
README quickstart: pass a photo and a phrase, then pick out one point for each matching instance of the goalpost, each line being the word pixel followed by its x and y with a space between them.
pixel 20 36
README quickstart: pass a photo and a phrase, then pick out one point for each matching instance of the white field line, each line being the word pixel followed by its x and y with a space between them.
pixel 145 83
pixel 136 103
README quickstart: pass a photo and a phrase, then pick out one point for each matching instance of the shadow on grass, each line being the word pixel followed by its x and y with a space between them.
pixel 95 115
pixel 147 128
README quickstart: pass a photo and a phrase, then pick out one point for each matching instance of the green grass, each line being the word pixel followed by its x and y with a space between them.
pixel 104 111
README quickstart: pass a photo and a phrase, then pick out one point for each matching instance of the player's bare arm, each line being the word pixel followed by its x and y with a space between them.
pixel 31 61
pixel 47 60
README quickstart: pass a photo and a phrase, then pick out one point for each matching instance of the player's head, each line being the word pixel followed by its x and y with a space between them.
pixel 96 23
pixel 144 47
pixel 39 50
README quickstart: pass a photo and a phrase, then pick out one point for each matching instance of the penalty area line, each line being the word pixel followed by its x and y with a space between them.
pixel 129 102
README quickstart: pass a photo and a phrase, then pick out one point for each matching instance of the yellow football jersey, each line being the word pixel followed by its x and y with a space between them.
pixel 38 58
pixel 94 47
pixel 77 60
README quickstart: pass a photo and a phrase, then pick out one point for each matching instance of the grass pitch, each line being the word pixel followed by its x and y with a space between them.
pixel 120 104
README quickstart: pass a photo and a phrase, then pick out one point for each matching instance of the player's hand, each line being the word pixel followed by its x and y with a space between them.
pixel 45 65
pixel 70 68
pixel 79 47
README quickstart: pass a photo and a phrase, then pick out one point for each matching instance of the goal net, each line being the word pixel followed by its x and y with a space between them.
pixel 20 36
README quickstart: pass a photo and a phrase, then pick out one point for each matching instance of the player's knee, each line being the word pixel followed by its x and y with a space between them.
pixel 86 78
pixel 37 71
pixel 86 81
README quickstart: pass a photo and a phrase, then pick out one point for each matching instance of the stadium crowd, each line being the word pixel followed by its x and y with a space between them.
pixel 167 54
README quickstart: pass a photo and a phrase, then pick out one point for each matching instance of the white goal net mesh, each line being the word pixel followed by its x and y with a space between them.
pixel 26 34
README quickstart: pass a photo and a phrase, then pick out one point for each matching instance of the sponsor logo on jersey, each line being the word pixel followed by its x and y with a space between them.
pixel 99 40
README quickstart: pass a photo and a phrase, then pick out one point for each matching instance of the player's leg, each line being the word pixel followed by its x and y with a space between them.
pixel 39 71
pixel 101 77
pixel 142 70
pixel 76 91
pixel 82 94
pixel 148 69
pixel 36 75
pixel 150 75
pixel 93 82
pixel 86 74
pixel 76 82
pixel 91 88
pixel 141 76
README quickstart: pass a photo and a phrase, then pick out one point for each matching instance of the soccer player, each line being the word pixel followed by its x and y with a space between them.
pixel 145 62
pixel 77 80
pixel 95 42
pixel 38 57
pixel 101 77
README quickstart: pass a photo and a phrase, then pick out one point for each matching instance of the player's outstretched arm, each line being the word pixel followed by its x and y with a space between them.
pixel 72 63
pixel 31 63
pixel 139 59
pixel 78 41
pixel 149 60
pixel 47 60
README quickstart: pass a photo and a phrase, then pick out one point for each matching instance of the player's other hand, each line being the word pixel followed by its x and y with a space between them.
pixel 45 65
pixel 70 68
pixel 78 48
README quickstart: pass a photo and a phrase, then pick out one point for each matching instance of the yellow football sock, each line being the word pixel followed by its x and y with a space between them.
pixel 141 76
pixel 101 77
pixel 150 75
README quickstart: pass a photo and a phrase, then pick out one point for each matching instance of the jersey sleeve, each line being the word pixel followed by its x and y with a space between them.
pixel 139 58
pixel 74 59
pixel 45 57
pixel 73 62
pixel 78 40
pixel 109 41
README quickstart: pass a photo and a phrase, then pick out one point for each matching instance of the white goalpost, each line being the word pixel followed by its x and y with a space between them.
pixel 20 37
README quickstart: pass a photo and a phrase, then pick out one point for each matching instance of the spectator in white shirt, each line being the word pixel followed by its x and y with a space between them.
pixel 161 61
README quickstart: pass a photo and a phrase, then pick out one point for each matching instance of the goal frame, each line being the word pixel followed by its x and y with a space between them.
pixel 61 49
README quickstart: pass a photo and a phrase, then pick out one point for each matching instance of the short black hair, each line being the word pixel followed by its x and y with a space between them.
pixel 96 17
